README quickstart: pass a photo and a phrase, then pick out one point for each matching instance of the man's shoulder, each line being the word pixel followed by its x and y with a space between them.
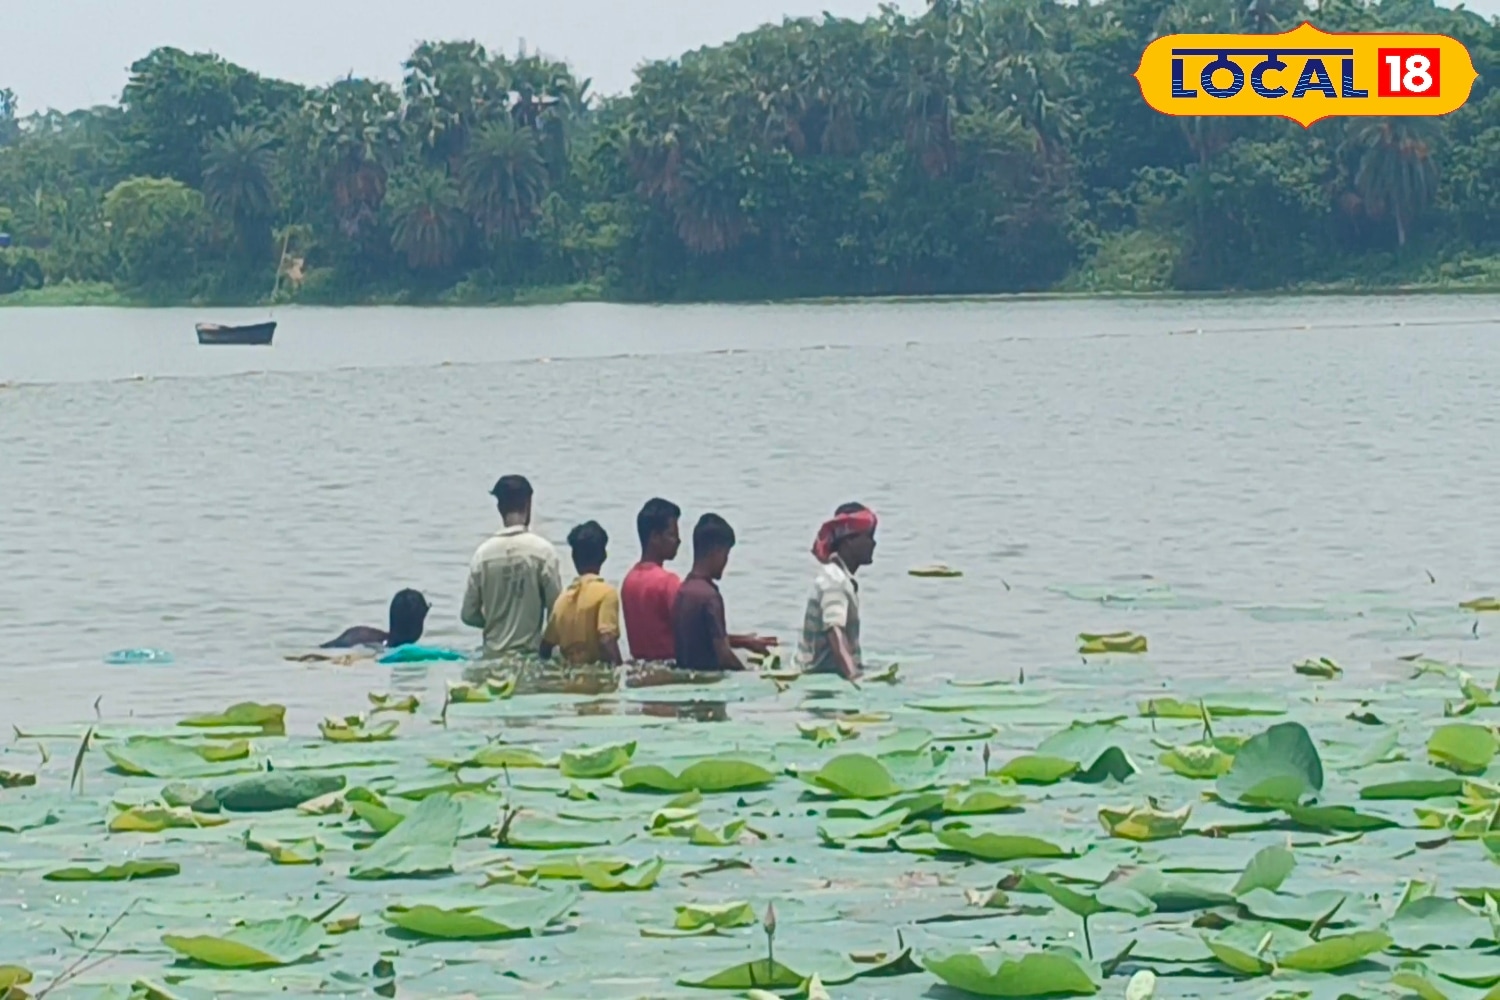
pixel 649 574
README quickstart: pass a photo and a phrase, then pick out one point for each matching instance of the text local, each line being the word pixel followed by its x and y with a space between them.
pixel 1314 75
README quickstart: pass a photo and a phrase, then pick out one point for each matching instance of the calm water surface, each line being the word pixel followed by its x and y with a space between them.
pixel 234 505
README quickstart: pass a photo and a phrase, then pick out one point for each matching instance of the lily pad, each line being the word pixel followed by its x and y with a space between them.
pixel 270 718
pixel 716 774
pixel 422 844
pixel 1090 644
pixel 1278 767
pixel 259 945
pixel 1462 748
pixel 596 762
pixel 529 915
pixel 1039 974
pixel 127 872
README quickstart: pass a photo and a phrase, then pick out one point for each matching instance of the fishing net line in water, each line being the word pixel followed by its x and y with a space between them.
pixel 1357 325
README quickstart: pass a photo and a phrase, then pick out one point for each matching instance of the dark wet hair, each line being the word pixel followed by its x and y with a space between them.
pixel 851 508
pixel 408 616
pixel 588 542
pixel 654 518
pixel 711 533
pixel 512 494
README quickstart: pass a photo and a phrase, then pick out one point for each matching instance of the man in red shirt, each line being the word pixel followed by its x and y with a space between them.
pixel 649 589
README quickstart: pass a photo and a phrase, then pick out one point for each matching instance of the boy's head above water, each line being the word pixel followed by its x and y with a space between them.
pixel 408 617
pixel 656 525
pixel 712 540
pixel 589 543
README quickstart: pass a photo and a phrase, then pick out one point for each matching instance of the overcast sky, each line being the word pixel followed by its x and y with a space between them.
pixel 74 53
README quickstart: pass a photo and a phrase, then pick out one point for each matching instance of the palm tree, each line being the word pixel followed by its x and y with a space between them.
pixel 428 223
pixel 237 183
pixel 504 178
pixel 1396 171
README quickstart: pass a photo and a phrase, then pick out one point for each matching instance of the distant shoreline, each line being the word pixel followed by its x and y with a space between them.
pixel 106 297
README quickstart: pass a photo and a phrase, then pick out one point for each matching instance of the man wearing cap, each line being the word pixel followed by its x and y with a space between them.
pixel 830 626
pixel 515 577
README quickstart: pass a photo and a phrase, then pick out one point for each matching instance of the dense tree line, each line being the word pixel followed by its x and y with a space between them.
pixel 982 146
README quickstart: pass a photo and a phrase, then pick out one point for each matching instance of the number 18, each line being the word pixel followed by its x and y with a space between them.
pixel 1409 73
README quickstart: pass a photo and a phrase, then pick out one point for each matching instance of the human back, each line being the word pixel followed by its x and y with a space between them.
pixel 514 577
pixel 649 589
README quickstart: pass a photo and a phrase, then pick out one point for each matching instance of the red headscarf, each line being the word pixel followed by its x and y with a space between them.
pixel 840 527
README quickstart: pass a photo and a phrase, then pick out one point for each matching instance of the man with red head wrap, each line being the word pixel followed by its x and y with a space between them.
pixel 830 626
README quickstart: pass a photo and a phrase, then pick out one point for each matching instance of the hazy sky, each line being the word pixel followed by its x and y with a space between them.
pixel 74 53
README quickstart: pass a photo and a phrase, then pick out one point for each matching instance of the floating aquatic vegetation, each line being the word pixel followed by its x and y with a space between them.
pixel 1322 668
pixel 258 945
pixel 127 872
pixel 709 776
pixel 527 915
pixel 357 729
pixel 1482 604
pixel 1039 974
pixel 268 718
pixel 935 571
pixel 1091 644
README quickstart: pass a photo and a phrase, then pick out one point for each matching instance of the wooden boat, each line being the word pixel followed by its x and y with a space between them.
pixel 257 334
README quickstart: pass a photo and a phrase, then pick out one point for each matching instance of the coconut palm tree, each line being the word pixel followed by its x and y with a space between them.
pixel 503 178
pixel 428 225
pixel 1396 174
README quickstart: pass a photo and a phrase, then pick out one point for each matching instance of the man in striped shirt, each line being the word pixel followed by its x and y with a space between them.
pixel 830 626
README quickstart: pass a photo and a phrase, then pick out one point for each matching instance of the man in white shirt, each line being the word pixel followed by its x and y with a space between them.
pixel 830 626
pixel 514 578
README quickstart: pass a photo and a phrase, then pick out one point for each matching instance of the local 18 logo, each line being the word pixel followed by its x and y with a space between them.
pixel 1306 74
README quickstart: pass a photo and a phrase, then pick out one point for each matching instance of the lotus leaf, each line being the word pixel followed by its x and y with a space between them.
pixel 129 871
pixel 596 762
pixel 1462 748
pixel 269 718
pixel 1322 668
pixel 527 915
pixel 1200 761
pixel 1144 822
pixel 1034 769
pixel 422 844
pixel 997 847
pixel 764 974
pixel 606 878
pixel 263 944
pixel 165 758
pixel 1278 767
pixel 307 851
pixel 716 774
pixel 935 571
pixel 1114 642
pixel 382 701
pixel 694 916
pixel 1268 869
pixel 356 729
pixel 154 819
pixel 1039 974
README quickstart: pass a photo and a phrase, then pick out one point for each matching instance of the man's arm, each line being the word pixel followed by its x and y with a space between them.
pixel 761 644
pixel 609 628
pixel 549 636
pixel 842 654
pixel 722 651
pixel 834 605
pixel 472 614
pixel 552 587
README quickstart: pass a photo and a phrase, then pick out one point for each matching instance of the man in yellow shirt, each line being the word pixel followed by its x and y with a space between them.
pixel 585 621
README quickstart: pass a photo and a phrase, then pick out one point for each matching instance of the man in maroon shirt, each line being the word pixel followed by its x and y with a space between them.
pixel 649 589
pixel 699 636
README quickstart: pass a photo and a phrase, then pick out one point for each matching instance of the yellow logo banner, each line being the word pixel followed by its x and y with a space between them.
pixel 1306 74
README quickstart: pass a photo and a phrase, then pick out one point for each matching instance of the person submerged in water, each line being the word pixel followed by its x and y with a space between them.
pixel 830 624
pixel 407 618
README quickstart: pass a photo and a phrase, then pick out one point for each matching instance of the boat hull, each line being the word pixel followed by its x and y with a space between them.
pixel 254 335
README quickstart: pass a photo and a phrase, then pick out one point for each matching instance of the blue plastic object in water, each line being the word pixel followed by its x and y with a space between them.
pixel 419 654
pixel 145 657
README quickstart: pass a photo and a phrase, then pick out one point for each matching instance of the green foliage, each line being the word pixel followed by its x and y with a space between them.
pixel 981 146
pixel 157 230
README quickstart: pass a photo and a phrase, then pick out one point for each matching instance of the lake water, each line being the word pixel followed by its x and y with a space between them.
pixel 1261 457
